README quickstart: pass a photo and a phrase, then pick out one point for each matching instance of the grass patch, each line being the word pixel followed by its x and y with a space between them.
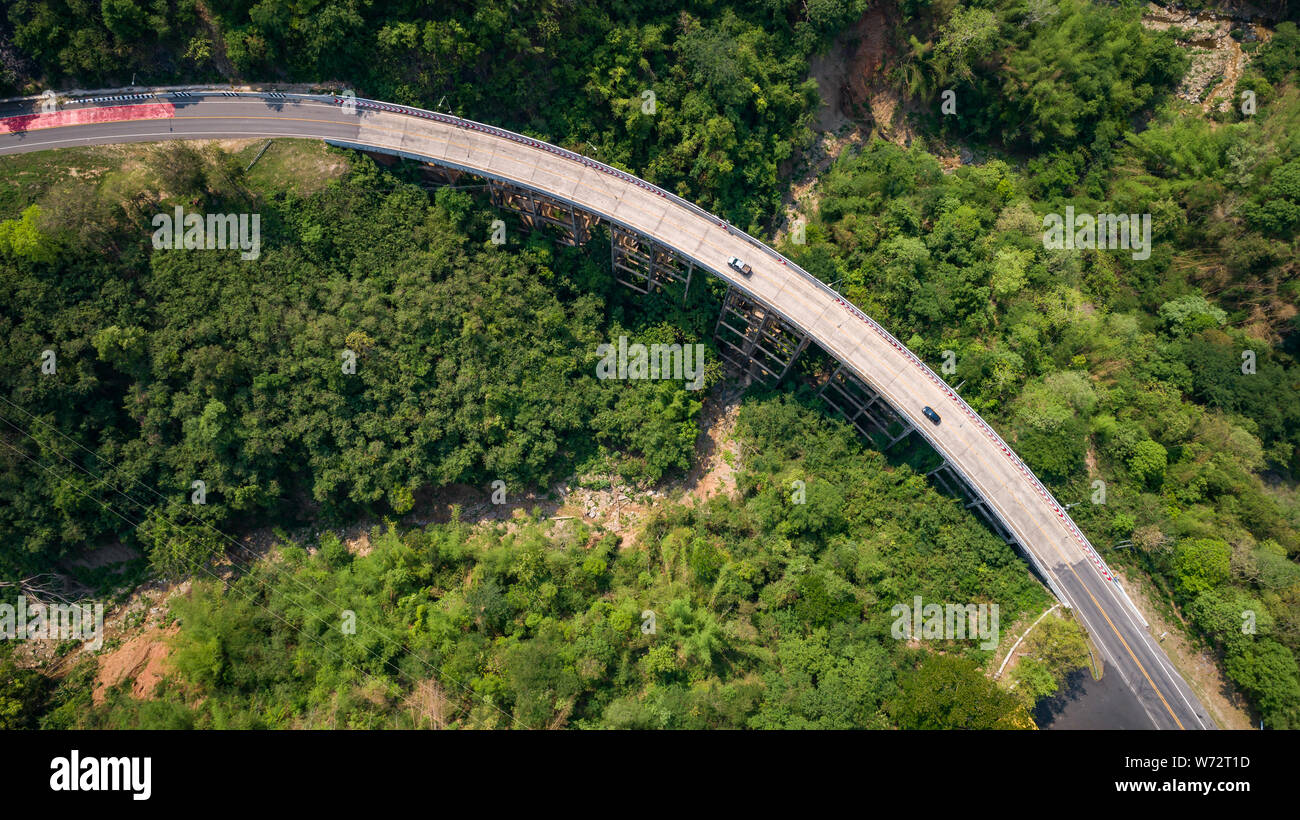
pixel 24 178
pixel 301 166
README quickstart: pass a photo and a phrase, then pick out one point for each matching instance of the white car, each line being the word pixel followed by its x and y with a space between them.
pixel 740 267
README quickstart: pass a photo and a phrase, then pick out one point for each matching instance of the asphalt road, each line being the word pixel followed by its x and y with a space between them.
pixel 1038 522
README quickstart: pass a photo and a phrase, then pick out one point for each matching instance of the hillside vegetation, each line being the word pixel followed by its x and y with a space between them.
pixel 1096 365
pixel 766 614
pixel 1170 377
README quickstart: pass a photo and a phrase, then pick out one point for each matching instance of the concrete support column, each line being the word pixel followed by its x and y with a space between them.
pixel 536 209
pixel 863 407
pixel 642 264
pixel 757 339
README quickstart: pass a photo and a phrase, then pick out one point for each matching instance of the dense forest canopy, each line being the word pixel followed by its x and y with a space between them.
pixel 474 363
pixel 1096 365
pixel 1102 367
pixel 768 615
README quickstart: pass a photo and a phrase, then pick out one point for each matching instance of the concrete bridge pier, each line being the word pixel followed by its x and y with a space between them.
pixel 952 482
pixel 757 339
pixel 863 407
pixel 643 264
pixel 536 209
pixel 440 175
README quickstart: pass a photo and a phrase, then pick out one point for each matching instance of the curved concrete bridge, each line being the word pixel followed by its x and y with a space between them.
pixel 768 318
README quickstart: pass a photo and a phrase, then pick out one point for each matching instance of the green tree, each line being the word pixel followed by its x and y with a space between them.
pixel 1147 462
pixel 1201 564
pixel 949 692
pixel 24 238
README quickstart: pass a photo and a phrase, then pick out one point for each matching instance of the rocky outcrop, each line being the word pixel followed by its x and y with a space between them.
pixel 1214 44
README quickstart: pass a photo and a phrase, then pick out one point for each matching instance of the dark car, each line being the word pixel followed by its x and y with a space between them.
pixel 931 415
